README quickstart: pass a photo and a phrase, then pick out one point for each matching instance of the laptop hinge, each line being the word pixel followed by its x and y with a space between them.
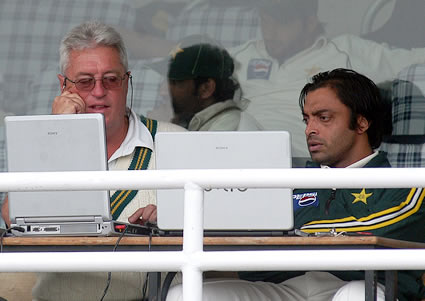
pixel 58 219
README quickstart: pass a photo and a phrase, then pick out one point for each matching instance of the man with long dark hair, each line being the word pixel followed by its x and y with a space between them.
pixel 345 120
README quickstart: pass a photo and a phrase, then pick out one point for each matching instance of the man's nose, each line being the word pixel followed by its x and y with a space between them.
pixel 98 90
pixel 310 128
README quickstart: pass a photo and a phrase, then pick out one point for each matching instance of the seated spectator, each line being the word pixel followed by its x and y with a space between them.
pixel 163 109
pixel 273 70
pixel 344 125
pixel 204 95
pixel 94 79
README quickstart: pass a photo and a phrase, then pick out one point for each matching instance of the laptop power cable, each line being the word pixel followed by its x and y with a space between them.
pixel 146 283
pixel 108 282
pixel 6 231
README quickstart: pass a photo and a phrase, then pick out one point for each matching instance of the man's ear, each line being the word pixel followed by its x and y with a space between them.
pixel 62 82
pixel 362 124
pixel 206 90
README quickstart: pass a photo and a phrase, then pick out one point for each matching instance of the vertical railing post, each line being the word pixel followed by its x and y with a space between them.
pixel 193 234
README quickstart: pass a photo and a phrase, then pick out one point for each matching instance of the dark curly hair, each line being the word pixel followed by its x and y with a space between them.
pixel 360 95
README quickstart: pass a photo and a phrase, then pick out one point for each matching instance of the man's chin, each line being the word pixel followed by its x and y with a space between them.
pixel 274 52
pixel 318 158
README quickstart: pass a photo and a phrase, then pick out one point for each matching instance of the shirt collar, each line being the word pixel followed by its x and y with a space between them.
pixel 360 163
pixel 319 43
pixel 137 135
pixel 208 113
pixel 363 161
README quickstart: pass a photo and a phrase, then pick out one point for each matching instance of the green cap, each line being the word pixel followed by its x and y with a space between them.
pixel 200 60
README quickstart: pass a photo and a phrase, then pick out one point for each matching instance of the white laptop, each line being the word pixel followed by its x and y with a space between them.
pixel 69 142
pixel 234 210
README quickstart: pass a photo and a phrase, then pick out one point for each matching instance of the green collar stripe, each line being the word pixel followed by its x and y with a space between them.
pixel 121 205
pixel 138 162
pixel 151 124
pixel 142 155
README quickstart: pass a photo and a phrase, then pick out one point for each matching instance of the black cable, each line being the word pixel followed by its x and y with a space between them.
pixel 108 281
pixel 16 228
pixel 131 84
pixel 167 283
pixel 145 285
pixel 2 235
pixel 1 240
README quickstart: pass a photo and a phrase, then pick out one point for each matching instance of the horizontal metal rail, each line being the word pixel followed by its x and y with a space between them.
pixel 144 261
pixel 192 260
pixel 215 178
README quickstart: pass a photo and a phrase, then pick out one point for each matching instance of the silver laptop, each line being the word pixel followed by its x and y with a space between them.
pixel 232 210
pixel 45 143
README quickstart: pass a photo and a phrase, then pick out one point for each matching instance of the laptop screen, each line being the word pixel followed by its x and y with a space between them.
pixel 235 208
pixel 71 142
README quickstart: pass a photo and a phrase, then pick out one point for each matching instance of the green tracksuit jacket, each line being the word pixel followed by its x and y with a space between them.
pixel 391 213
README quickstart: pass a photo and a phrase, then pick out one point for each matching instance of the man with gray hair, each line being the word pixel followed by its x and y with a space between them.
pixel 94 79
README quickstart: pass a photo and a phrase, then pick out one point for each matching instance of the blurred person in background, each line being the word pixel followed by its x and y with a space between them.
pixel 273 70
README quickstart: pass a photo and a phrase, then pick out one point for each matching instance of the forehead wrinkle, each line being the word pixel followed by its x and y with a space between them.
pixel 317 112
pixel 321 111
pixel 91 74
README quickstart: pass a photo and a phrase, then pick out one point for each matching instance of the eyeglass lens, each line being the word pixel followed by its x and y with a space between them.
pixel 109 82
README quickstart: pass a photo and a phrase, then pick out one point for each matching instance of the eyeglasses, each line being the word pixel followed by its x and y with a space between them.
pixel 112 82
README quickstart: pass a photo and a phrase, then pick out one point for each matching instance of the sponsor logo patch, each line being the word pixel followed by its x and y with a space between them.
pixel 305 199
pixel 259 69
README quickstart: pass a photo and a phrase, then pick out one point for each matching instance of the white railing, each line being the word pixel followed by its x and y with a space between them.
pixel 192 261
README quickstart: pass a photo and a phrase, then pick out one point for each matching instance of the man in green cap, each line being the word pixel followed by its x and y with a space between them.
pixel 204 95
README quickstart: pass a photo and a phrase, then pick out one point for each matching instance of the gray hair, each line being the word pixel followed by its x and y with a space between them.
pixel 90 35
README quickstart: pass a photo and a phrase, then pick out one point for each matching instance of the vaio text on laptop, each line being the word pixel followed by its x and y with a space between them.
pixel 232 210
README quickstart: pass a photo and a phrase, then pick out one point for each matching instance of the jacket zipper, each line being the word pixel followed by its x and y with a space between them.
pixel 328 202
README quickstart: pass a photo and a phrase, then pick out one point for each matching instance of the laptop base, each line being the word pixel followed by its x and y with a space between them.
pixel 112 228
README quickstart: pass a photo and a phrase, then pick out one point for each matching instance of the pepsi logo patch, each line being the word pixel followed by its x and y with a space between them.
pixel 259 69
pixel 305 199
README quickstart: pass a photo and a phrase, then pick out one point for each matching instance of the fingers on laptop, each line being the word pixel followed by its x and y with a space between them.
pixel 144 215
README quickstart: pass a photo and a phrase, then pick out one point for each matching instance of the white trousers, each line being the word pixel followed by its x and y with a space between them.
pixel 312 286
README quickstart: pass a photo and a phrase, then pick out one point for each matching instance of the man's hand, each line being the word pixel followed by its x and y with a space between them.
pixel 5 211
pixel 144 215
pixel 68 103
